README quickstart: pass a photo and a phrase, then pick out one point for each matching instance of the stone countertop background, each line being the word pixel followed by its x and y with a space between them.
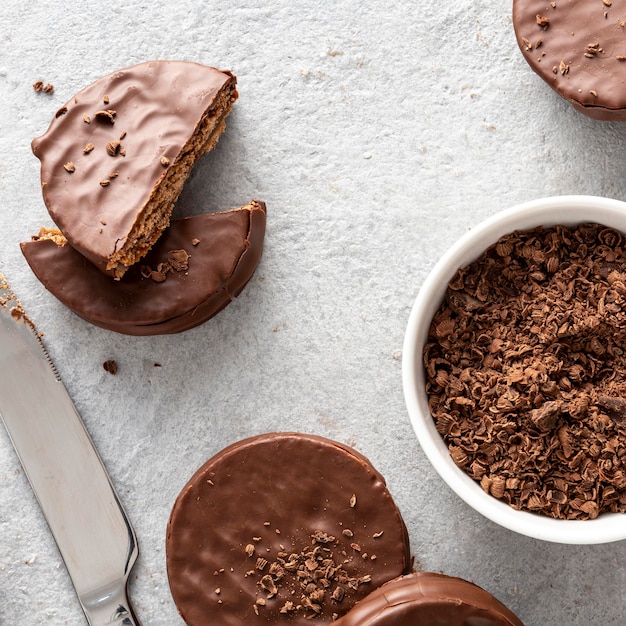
pixel 377 133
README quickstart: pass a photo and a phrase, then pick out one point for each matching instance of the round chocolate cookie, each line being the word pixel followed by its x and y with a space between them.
pixel 282 527
pixel 116 156
pixel 579 48
pixel 429 598
pixel 193 271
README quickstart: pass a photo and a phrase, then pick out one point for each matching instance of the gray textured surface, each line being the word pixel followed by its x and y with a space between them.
pixel 377 133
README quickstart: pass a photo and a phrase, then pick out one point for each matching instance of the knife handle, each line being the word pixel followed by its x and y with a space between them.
pixel 110 607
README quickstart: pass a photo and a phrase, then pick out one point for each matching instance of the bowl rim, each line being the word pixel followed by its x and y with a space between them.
pixel 552 210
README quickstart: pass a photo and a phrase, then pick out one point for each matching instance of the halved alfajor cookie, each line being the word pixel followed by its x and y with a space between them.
pixel 430 599
pixel 282 528
pixel 195 269
pixel 116 156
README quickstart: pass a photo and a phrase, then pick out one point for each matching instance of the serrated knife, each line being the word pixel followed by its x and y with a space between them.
pixel 95 538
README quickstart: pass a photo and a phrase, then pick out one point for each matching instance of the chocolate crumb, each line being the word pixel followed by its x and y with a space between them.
pixel 542 21
pixel 86 118
pixel 178 260
pixel 69 167
pixel 106 116
pixel 38 85
pixel 105 182
pixel 48 88
pixel 165 161
pixel 110 366
pixel 88 148
pixel 113 148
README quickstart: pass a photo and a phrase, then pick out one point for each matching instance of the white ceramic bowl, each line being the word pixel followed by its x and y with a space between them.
pixel 566 210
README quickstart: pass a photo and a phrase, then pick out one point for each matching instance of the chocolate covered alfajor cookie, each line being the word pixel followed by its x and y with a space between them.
pixel 116 156
pixel 429 598
pixel 579 48
pixel 195 269
pixel 282 527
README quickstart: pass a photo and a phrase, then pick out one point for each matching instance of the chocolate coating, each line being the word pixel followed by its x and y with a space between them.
pixel 269 495
pixel 221 263
pixel 98 200
pixel 430 599
pixel 577 51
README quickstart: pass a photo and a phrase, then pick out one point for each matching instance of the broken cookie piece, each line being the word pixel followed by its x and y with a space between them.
pixel 195 281
pixel 116 156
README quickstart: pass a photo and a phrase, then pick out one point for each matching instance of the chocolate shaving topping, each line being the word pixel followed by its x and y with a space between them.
pixel 105 116
pixel 317 575
pixel 113 148
pixel 542 21
pixel 526 370
pixel 177 261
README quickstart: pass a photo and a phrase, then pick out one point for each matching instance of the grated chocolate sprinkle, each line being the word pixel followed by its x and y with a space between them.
pixel 526 370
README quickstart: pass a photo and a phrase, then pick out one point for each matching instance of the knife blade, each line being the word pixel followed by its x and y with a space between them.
pixel 91 529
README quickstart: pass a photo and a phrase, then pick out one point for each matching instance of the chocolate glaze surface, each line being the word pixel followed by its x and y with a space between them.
pixel 157 107
pixel 224 250
pixel 430 599
pixel 578 51
pixel 271 495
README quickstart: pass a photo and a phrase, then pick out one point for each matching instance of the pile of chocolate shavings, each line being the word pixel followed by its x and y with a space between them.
pixel 526 370
pixel 304 582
